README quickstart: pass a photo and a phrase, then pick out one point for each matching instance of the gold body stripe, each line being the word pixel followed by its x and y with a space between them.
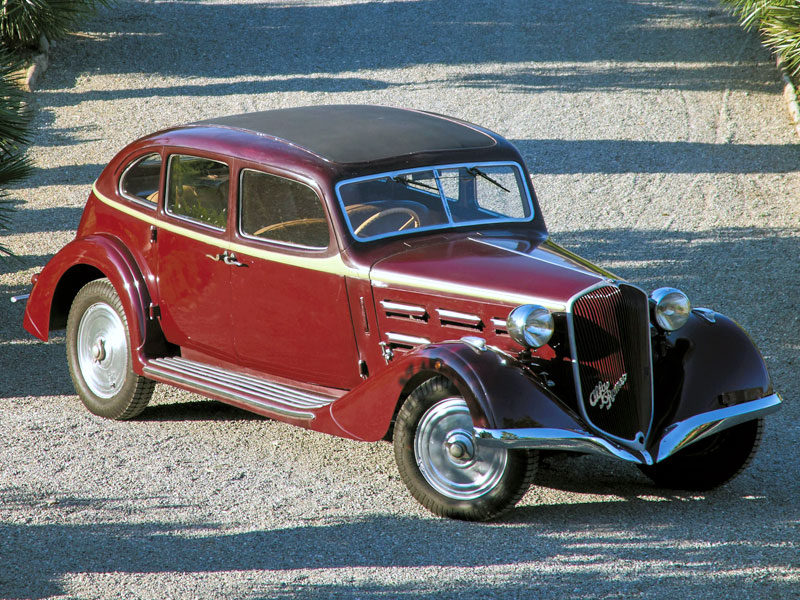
pixel 335 265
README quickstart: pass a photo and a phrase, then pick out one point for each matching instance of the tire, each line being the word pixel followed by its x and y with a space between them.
pixel 710 462
pixel 433 426
pixel 99 354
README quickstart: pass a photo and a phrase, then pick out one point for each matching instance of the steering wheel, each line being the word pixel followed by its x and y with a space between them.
pixel 388 212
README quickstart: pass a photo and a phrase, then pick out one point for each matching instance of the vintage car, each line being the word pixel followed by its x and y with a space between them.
pixel 378 273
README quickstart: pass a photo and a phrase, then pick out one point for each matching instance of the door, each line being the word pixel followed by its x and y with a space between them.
pixel 290 312
pixel 194 279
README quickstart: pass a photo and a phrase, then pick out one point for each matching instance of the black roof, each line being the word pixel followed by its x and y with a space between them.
pixel 360 133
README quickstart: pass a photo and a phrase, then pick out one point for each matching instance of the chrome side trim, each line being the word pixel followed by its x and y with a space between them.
pixel 401 338
pixel 679 435
pixel 403 309
pixel 238 387
pixel 20 298
pixel 458 317
pixel 500 324
pixel 545 438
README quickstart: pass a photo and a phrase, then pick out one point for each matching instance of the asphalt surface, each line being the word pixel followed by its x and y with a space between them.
pixel 661 149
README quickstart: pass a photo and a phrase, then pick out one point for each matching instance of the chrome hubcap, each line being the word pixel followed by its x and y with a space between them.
pixel 102 350
pixel 448 457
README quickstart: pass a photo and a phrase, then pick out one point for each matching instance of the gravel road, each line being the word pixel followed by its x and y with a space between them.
pixel 661 149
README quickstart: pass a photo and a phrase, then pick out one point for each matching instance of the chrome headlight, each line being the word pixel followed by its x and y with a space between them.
pixel 672 308
pixel 530 325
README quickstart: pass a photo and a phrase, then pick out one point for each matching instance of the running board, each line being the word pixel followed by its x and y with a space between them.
pixel 238 388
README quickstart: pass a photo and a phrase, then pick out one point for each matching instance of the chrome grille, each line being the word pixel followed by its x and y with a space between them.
pixel 611 347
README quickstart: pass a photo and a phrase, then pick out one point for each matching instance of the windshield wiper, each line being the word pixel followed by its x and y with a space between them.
pixel 410 182
pixel 476 171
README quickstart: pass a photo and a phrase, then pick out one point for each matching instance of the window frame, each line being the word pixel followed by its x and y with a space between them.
pixel 132 163
pixel 289 245
pixel 185 218
pixel 440 226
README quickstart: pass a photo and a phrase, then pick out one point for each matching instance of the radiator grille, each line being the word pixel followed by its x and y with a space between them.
pixel 612 349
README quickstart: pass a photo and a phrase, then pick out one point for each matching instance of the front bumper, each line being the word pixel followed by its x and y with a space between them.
pixel 674 438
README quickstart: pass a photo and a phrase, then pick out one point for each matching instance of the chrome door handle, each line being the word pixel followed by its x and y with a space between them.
pixel 216 256
pixel 230 259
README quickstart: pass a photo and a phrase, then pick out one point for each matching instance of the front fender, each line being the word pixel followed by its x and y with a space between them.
pixel 499 392
pixel 72 267
pixel 706 366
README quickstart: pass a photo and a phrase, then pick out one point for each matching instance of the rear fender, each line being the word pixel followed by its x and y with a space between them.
pixel 499 392
pixel 76 264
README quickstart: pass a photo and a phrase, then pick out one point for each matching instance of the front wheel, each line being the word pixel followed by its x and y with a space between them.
pixel 710 462
pixel 445 468
pixel 99 354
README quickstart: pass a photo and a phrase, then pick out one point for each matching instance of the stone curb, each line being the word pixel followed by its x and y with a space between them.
pixel 790 94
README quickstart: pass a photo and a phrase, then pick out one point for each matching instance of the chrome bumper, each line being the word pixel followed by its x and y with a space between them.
pixel 20 298
pixel 675 437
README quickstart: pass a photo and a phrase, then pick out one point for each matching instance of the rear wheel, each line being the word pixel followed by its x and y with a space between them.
pixel 710 462
pixel 99 354
pixel 445 468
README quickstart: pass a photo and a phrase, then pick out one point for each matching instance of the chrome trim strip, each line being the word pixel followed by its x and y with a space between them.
pixel 500 324
pixel 679 435
pixel 20 298
pixel 400 338
pixel 406 309
pixel 458 317
pixel 253 391
pixel 634 444
pixel 546 438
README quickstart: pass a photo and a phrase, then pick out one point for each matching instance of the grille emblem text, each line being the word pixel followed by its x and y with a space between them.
pixel 604 395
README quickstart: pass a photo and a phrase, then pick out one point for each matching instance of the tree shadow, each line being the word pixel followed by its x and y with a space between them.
pixel 589 539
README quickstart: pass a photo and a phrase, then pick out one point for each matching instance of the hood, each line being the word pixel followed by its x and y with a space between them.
pixel 502 269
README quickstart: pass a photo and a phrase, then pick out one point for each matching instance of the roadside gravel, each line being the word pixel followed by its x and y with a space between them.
pixel 661 149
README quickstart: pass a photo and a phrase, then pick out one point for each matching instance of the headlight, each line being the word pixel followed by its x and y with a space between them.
pixel 672 308
pixel 530 325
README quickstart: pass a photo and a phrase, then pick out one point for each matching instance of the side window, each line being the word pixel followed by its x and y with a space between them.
pixel 281 210
pixel 140 180
pixel 197 189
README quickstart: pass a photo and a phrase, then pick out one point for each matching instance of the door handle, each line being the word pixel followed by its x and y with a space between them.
pixel 230 259
pixel 216 256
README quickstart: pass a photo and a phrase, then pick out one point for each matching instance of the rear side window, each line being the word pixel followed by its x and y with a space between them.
pixel 141 179
pixel 197 189
pixel 281 210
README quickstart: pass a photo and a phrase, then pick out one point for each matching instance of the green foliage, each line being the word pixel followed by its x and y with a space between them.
pixel 14 134
pixel 779 24
pixel 22 22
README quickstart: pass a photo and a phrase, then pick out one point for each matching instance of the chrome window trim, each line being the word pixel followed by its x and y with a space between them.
pixel 183 217
pixel 278 242
pixel 524 182
pixel 137 199
pixel 633 444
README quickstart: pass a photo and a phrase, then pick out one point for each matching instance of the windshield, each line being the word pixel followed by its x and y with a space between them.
pixel 433 198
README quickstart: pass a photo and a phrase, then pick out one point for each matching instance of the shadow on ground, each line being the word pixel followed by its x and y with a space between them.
pixel 570 548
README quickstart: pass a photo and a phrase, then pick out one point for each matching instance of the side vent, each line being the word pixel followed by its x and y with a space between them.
pixel 401 341
pixel 451 318
pixel 404 311
pixel 500 326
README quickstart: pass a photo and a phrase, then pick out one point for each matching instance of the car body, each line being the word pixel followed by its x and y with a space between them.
pixel 373 272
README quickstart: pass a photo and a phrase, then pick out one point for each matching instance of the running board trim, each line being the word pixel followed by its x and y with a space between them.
pixel 238 387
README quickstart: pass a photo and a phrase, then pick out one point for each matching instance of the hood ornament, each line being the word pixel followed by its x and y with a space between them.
pixel 604 395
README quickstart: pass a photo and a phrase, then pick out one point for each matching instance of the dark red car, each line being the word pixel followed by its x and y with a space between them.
pixel 374 273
